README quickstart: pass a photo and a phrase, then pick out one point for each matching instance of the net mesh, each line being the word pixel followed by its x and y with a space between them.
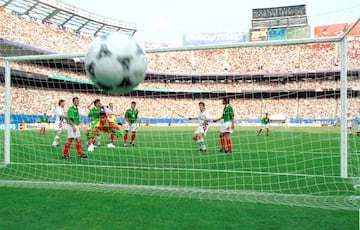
pixel 298 85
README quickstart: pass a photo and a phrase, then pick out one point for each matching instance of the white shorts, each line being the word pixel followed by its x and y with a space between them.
pixel 265 126
pixel 42 125
pixel 71 133
pixel 226 127
pixel 132 127
pixel 58 126
pixel 201 129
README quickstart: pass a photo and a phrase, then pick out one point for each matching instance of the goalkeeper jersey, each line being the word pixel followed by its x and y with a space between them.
pixel 107 127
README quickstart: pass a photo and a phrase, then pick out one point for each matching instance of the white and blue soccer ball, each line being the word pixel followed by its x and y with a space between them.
pixel 116 63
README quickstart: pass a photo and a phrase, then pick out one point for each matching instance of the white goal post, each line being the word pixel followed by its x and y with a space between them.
pixel 343 152
pixel 287 167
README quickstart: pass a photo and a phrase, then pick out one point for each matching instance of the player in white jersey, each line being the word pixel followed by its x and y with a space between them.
pixel 204 119
pixel 59 122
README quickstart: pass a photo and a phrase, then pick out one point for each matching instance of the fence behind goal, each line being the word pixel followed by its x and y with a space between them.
pixel 308 87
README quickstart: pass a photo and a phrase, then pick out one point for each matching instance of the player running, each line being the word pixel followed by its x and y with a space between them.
pixel 265 122
pixel 73 130
pixel 43 122
pixel 59 122
pixel 131 116
pixel 107 126
pixel 94 116
pixel 204 119
pixel 227 127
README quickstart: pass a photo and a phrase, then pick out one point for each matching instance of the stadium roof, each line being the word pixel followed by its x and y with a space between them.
pixel 68 16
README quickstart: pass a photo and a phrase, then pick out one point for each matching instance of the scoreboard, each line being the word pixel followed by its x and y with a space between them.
pixel 283 11
pixel 277 21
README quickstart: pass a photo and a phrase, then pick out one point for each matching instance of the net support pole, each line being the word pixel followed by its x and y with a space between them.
pixel 343 98
pixel 7 113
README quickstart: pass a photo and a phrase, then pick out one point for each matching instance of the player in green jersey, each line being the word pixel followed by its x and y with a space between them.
pixel 43 122
pixel 73 130
pixel 131 116
pixel 265 122
pixel 227 127
pixel 93 116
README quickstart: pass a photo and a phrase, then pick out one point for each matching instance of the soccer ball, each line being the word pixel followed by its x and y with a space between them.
pixel 115 62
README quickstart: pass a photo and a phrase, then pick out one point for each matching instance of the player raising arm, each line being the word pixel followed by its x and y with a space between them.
pixel 59 122
pixel 131 116
pixel 227 127
pixel 107 126
pixel 204 119
pixel 73 130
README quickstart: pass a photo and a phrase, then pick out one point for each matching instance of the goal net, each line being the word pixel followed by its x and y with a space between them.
pixel 307 87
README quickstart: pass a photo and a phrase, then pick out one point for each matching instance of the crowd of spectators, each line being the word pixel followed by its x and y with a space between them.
pixel 251 60
pixel 47 37
pixel 289 58
pixel 38 101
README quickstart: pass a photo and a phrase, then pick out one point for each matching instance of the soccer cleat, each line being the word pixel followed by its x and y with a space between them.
pixel 133 145
pixel 228 151
pixel 203 150
pixel 82 156
pixel 222 151
pixel 125 145
pixel 111 145
pixel 65 157
pixel 91 148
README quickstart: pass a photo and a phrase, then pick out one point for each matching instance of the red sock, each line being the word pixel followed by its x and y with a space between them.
pixel 267 132
pixel 228 143
pixel 78 147
pixel 66 149
pixel 132 138
pixel 222 141
pixel 112 137
pixel 125 138
pixel 259 131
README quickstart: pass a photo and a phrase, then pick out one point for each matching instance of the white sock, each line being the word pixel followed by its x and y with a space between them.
pixel 56 140
pixel 202 143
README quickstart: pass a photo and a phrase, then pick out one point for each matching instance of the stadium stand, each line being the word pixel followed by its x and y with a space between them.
pixel 236 70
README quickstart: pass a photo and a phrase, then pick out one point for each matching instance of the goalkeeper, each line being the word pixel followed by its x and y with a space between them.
pixel 107 126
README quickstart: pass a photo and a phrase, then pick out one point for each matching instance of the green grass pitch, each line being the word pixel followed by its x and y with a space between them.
pixel 164 182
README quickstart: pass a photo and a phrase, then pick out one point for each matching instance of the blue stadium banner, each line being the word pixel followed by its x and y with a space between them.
pixel 277 34
pixel 209 38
